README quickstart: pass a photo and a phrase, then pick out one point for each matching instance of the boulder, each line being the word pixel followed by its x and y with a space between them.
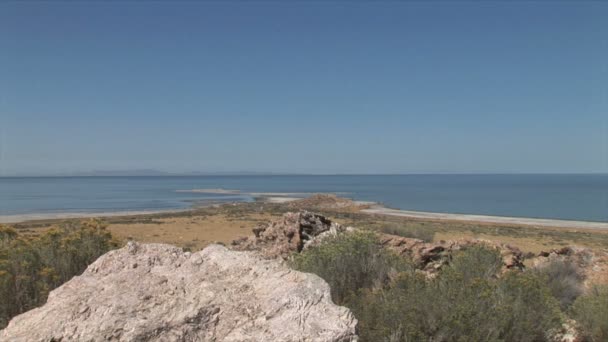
pixel 155 292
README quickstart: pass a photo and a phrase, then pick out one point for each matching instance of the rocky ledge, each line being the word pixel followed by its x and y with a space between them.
pixel 293 232
pixel 158 292
pixel 297 231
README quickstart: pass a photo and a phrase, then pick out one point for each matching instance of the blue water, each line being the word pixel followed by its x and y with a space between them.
pixel 570 197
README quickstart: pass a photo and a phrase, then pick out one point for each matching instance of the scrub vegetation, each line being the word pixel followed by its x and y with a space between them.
pixel 591 313
pixel 33 265
pixel 468 300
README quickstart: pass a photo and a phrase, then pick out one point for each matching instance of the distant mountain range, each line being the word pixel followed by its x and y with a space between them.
pixel 139 172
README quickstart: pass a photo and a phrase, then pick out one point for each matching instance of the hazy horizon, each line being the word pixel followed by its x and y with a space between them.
pixel 160 173
pixel 304 88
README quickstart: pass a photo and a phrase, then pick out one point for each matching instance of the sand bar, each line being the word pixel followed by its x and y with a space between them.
pixel 220 191
pixel 488 219
pixel 212 191
pixel 278 199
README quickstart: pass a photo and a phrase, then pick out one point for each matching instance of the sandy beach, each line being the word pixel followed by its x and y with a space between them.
pixel 379 210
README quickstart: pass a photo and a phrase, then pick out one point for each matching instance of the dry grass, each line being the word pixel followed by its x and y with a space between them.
pixel 197 228
pixel 192 232
pixel 527 238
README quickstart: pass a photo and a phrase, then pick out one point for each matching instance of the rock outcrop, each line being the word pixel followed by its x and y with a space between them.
pixel 431 256
pixel 154 292
pixel 592 264
pixel 291 233
pixel 294 232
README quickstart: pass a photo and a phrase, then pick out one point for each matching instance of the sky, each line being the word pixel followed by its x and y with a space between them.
pixel 304 87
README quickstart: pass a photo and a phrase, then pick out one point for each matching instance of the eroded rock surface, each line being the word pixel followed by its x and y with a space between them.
pixel 290 233
pixel 154 292
pixel 592 264
pixel 431 256
pixel 294 232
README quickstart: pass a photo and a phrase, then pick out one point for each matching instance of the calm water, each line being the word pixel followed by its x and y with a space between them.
pixel 573 197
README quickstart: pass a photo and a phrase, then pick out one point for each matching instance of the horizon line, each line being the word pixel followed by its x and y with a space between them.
pixel 262 174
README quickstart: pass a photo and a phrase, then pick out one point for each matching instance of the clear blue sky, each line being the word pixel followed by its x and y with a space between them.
pixel 321 87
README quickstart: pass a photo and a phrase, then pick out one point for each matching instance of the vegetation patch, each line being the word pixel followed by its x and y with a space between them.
pixel 591 313
pixel 564 279
pixel 32 266
pixel 350 262
pixel 466 301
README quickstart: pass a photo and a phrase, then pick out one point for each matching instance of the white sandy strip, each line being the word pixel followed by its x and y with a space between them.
pixel 254 194
pixel 279 199
pixel 489 219
pixel 212 191
pixel 279 194
pixel 53 216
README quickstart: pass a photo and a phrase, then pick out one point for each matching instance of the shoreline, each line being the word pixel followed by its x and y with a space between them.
pixel 20 218
pixel 519 221
pixel 375 209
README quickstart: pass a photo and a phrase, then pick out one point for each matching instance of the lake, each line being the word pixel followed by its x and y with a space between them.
pixel 569 197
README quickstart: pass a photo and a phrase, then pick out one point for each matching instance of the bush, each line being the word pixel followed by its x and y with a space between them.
pixel 591 313
pixel 526 309
pixel 466 301
pixel 350 262
pixel 30 267
pixel 564 280
pixel 475 262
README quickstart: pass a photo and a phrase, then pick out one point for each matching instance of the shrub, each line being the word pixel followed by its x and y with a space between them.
pixel 564 280
pixel 350 262
pixel 477 261
pixel 526 309
pixel 30 267
pixel 478 305
pixel 591 313
pixel 466 301
pixel 395 311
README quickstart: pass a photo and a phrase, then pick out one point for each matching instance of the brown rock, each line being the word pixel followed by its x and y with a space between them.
pixel 288 234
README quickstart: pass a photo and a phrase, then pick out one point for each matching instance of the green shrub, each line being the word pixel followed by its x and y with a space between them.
pixel 477 261
pixel 350 262
pixel 466 301
pixel 527 310
pixel 30 267
pixel 591 313
pixel 564 280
